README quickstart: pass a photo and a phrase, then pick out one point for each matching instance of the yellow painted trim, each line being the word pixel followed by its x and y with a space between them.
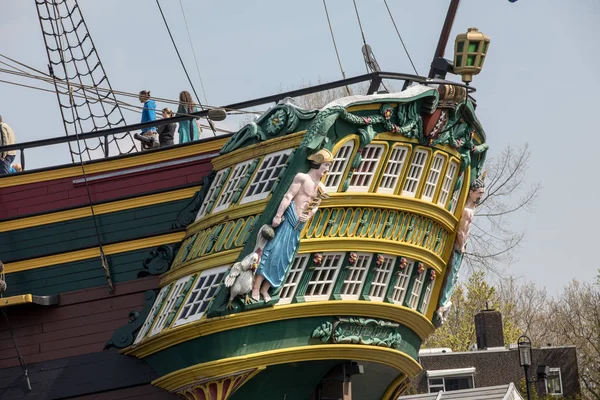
pixel 392 312
pixel 395 137
pixel 229 214
pixel 78 255
pixel 425 172
pixel 99 209
pixel 454 179
pixel 393 387
pixel 367 107
pixel 200 264
pixel 16 300
pixel 392 202
pixel 369 245
pixel 382 355
pixel 257 150
pixel 118 164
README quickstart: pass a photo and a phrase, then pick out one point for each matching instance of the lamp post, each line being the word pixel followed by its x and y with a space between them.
pixel 524 344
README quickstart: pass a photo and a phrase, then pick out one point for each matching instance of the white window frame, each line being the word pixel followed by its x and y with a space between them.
pixel 337 171
pixel 415 292
pixel 211 194
pixel 559 382
pixel 193 298
pixel 447 184
pixel 288 290
pixel 415 172
pixel 355 278
pixel 363 175
pixel 449 374
pixel 433 177
pixel 161 319
pixel 268 171
pixel 324 276
pixel 150 318
pixel 231 186
pixel 401 285
pixel 393 170
pixel 455 198
pixel 381 278
pixel 427 296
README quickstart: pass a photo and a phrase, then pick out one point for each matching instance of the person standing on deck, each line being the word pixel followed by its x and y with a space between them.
pixel 149 137
pixel 188 130
pixel 7 137
pixel 166 133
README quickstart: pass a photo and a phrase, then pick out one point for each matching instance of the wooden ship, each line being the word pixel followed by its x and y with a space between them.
pixel 135 276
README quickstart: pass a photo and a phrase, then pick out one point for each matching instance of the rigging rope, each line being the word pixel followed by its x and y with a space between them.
pixel 182 64
pixel 193 52
pixel 400 37
pixel 335 47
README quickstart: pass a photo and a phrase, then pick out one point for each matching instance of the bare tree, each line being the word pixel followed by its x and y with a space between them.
pixel 492 240
pixel 574 318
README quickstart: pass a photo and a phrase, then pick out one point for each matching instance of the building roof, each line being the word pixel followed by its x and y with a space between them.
pixel 503 392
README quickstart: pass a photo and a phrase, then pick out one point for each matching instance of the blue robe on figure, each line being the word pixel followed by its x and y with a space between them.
pixel 279 252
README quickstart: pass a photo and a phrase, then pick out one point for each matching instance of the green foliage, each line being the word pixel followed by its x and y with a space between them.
pixel 458 333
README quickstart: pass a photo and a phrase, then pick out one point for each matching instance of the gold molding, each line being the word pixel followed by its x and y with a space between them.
pixel 116 164
pixel 367 107
pixel 78 255
pixel 393 358
pixel 200 264
pixel 369 245
pixel 229 214
pixel 392 202
pixel 206 326
pixel 16 300
pixel 257 150
pixel 99 209
pixel 393 387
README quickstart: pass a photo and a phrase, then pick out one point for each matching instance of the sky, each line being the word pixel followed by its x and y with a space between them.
pixel 539 84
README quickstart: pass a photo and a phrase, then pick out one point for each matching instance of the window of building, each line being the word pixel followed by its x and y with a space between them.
pixel 291 284
pixel 323 277
pixel 161 320
pixel 454 201
pixel 338 167
pixel 554 382
pixel 447 184
pixel 204 289
pixel 450 379
pixel 427 297
pixel 393 169
pixel 364 173
pixel 231 186
pixel 415 171
pixel 160 299
pixel 401 285
pixel 267 174
pixel 433 177
pixel 356 277
pixel 415 293
pixel 212 193
pixel 381 278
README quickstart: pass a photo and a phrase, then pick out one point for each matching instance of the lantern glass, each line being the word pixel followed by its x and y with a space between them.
pixel 524 345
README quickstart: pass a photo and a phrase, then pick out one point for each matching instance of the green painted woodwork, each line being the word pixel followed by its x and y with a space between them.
pixel 294 381
pixel 364 295
pixel 76 275
pixel 180 298
pixel 80 233
pixel 393 280
pixel 366 331
pixel 339 283
pixel 125 335
pixel 426 284
pixel 244 181
pixel 253 339
pixel 159 261
pixel 188 214
pixel 411 283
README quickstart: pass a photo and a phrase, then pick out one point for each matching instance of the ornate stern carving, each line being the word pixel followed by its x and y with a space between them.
pixel 216 388
pixel 159 261
pixel 188 214
pixel 125 335
pixel 372 332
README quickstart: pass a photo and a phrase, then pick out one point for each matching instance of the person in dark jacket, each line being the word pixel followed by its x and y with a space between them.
pixel 166 133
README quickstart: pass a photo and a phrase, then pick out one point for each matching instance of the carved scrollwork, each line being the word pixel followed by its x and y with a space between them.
pixel 125 335
pixel 159 261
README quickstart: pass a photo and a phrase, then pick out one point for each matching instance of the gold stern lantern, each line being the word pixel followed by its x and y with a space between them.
pixel 470 50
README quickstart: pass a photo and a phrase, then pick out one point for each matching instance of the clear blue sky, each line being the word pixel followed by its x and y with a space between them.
pixel 539 84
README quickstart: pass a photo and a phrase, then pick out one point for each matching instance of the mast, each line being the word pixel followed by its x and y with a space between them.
pixel 443 41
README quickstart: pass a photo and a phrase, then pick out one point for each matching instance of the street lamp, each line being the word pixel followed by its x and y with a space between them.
pixel 524 344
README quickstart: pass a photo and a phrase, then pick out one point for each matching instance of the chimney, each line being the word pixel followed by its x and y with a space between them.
pixel 488 329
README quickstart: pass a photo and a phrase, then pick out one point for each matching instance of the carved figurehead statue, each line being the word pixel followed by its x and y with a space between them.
pixel 298 205
pixel 476 192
